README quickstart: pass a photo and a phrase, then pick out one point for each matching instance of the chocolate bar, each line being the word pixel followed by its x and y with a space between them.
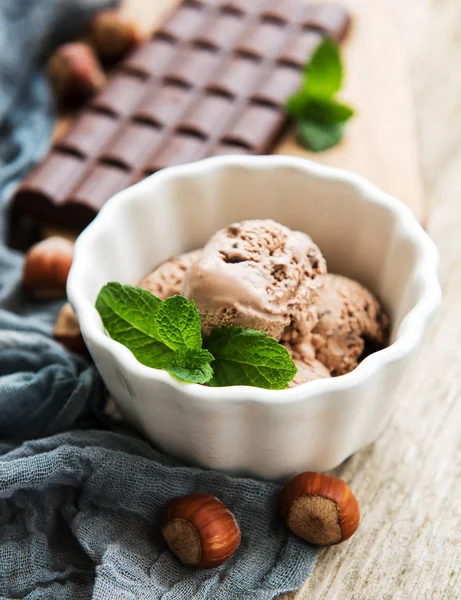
pixel 212 80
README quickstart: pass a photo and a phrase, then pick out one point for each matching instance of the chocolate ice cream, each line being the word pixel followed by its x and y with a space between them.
pixel 256 274
pixel 309 368
pixel 261 275
pixel 349 318
pixel 166 280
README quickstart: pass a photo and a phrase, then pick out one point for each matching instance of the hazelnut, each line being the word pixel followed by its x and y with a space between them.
pixel 320 509
pixel 67 331
pixel 75 72
pixel 46 267
pixel 114 35
pixel 201 531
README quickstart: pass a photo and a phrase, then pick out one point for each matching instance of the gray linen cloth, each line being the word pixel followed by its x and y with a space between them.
pixel 82 496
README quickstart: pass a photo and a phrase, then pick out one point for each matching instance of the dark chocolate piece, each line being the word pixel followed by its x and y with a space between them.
pixel 130 148
pixel 242 6
pixel 237 78
pixel 152 58
pixel 207 116
pixel 163 104
pixel 257 127
pixel 50 183
pixel 225 148
pixel 300 48
pixel 331 19
pixel 212 80
pixel 88 135
pixel 120 96
pixel 265 40
pixel 275 89
pixel 222 32
pixel 184 22
pixel 102 182
pixel 194 67
pixel 283 12
pixel 179 149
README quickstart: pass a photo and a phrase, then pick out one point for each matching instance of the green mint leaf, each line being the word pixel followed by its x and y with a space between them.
pixel 191 365
pixel 319 136
pixel 324 71
pixel 128 314
pixel 296 104
pixel 123 304
pixel 178 324
pixel 302 107
pixel 328 111
pixel 248 357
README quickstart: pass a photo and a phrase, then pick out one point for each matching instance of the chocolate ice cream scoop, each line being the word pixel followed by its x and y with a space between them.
pixel 349 319
pixel 256 274
pixel 166 280
pixel 309 368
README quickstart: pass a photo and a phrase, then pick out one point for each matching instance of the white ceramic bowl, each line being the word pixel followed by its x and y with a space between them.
pixel 363 233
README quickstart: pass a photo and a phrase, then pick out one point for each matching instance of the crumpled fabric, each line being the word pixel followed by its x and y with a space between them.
pixel 82 496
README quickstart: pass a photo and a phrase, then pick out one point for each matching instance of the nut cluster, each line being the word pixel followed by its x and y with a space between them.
pixel 75 68
pixel 203 533
pixel 67 331
pixel 46 267
pixel 44 277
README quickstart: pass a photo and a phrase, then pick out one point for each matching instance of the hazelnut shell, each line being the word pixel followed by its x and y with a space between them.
pixel 114 34
pixel 201 531
pixel 67 331
pixel 319 508
pixel 46 267
pixel 75 72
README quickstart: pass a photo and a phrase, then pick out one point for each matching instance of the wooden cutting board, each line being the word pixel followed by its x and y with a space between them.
pixel 380 142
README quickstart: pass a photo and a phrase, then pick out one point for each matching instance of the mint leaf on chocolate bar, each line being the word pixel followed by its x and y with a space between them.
pixel 249 357
pixel 302 107
pixel 318 136
pixel 324 72
pixel 321 118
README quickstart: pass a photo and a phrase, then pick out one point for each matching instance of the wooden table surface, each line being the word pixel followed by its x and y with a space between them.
pixel 408 484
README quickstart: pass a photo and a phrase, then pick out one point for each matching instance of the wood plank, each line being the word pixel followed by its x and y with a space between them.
pixel 380 142
pixel 408 484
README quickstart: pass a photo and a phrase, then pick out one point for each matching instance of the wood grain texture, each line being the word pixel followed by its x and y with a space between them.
pixel 409 483
pixel 380 142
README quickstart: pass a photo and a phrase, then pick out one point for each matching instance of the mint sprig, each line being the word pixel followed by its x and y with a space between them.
pixel 167 335
pixel 161 335
pixel 249 357
pixel 320 117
